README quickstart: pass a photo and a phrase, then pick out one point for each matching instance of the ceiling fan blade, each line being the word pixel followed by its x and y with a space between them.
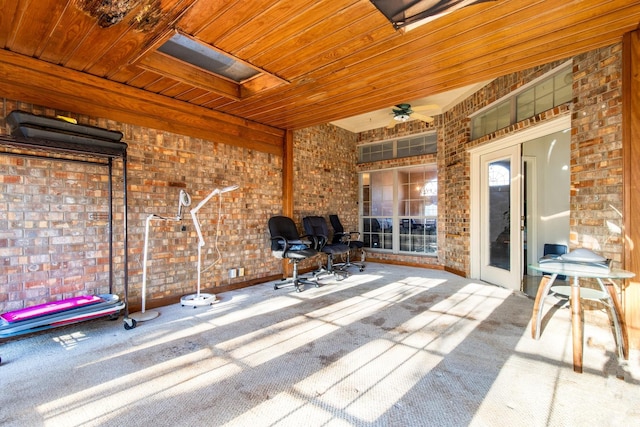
pixel 428 107
pixel 422 117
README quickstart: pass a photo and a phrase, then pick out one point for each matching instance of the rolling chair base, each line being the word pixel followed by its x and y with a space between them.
pixel 348 263
pixel 297 283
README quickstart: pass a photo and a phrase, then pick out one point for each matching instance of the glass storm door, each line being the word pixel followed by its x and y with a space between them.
pixel 500 234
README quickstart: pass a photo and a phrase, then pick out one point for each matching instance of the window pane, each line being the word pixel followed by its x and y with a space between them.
pixel 524 105
pixel 504 115
pixel 563 87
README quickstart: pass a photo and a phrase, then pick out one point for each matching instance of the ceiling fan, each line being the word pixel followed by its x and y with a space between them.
pixel 404 112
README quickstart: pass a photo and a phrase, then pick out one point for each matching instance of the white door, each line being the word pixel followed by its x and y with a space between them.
pixel 500 217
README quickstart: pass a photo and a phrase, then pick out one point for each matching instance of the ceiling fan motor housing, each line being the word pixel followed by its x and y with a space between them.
pixel 403 113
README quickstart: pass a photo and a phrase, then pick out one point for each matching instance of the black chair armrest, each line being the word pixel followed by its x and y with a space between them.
pixel 279 243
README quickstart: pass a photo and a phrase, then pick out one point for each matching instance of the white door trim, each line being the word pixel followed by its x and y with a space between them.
pixel 552 126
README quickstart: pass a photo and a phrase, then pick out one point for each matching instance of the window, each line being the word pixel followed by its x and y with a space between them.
pixel 541 95
pixel 407 147
pixel 399 210
pixel 189 60
pixel 192 52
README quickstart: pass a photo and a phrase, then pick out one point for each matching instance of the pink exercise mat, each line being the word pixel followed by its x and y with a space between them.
pixel 50 308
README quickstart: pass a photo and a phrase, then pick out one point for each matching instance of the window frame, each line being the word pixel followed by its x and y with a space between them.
pixel 396 226
pixel 513 103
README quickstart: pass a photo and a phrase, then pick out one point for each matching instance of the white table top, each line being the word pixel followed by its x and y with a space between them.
pixel 568 269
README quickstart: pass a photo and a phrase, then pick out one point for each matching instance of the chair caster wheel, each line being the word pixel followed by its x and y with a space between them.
pixel 130 324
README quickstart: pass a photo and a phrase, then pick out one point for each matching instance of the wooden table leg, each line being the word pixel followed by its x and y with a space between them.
pixel 536 315
pixel 617 311
pixel 576 326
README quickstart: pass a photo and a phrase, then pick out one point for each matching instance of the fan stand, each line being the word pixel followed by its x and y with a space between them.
pixel 143 315
pixel 200 299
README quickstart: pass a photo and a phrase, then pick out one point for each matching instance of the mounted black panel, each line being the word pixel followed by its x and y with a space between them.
pixel 33 131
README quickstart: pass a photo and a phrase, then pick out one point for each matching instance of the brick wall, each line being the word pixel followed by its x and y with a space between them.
pixel 596 153
pixel 399 131
pixel 596 168
pixel 454 145
pixel 53 240
pixel 325 181
pixel 52 245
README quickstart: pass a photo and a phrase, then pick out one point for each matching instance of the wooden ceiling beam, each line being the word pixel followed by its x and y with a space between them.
pixel 30 80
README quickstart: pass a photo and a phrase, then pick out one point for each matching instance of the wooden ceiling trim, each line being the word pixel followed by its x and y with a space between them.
pixel 409 68
pixel 8 18
pixel 15 24
pixel 230 20
pixel 159 85
pixel 432 85
pixel 202 13
pixel 190 94
pixel 259 84
pixel 303 45
pixel 334 53
pixel 143 79
pixel 291 29
pixel 316 40
pixel 217 103
pixel 36 26
pixel 264 23
pixel 176 90
pixel 66 39
pixel 383 42
pixel 383 61
pixel 205 98
pixel 88 43
pixel 126 74
pixel 166 65
pixel 133 41
pixel 35 81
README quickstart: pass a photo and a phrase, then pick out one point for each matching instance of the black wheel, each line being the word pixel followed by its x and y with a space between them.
pixel 130 324
pixel 275 287
pixel 362 269
pixel 114 316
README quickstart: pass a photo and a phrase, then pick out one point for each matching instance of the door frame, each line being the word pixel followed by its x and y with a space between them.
pixel 476 153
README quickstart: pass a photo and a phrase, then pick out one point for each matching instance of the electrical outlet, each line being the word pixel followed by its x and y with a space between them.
pixel 241 272
pixel 232 273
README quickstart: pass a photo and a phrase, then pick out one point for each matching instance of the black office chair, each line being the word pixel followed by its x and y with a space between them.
pixel 317 229
pixel 351 238
pixel 288 244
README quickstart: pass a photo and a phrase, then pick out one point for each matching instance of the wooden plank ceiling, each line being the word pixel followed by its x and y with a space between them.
pixel 328 59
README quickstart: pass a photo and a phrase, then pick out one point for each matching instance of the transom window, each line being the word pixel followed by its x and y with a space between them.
pixel 541 95
pixel 405 147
